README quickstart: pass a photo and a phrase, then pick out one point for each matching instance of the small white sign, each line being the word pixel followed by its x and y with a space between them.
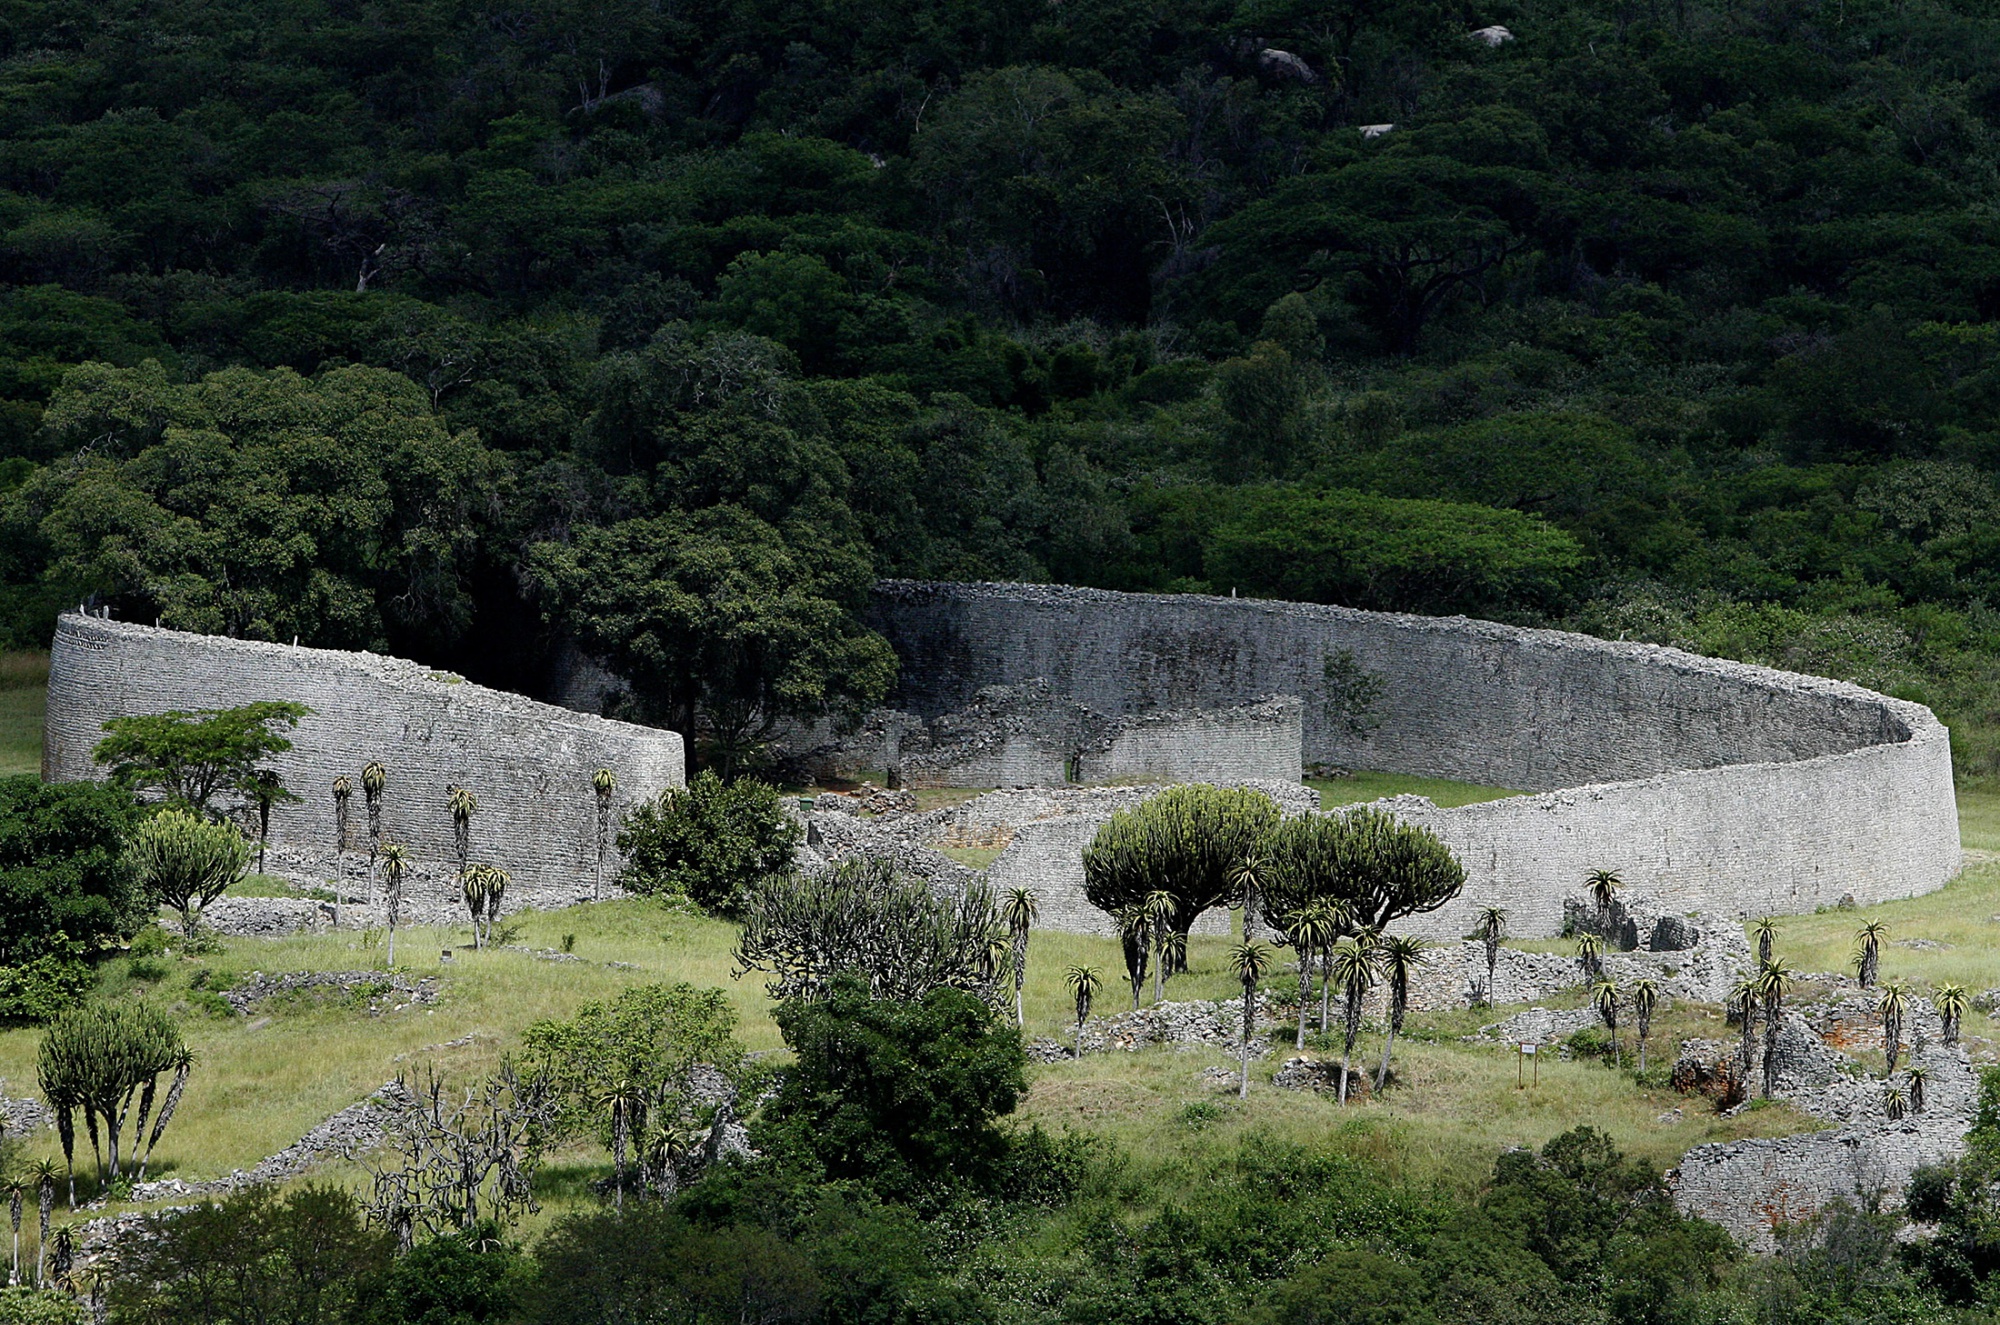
pixel 1529 1048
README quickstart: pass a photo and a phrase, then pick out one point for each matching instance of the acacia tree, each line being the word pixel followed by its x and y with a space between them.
pixel 1019 911
pixel 1402 956
pixel 192 757
pixel 1185 842
pixel 1248 961
pixel 1645 1001
pixel 186 862
pixel 1490 928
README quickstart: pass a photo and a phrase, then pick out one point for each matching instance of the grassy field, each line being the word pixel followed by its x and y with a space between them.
pixel 265 1079
pixel 23 682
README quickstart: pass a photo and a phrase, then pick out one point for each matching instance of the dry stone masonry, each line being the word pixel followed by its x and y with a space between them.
pixel 1720 786
pixel 529 764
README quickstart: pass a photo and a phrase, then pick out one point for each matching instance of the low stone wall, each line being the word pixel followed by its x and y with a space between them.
pixel 1258 741
pixel 529 764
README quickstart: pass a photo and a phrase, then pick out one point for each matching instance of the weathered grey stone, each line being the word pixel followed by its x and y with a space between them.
pixel 529 764
pixel 386 991
pixel 1716 785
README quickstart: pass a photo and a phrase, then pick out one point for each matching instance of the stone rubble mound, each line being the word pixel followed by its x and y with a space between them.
pixel 387 991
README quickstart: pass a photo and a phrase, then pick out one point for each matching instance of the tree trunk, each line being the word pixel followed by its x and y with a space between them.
pixel 1353 1019
pixel 1305 997
pixel 166 1115
pixel 1395 1024
pixel 1249 1022
pixel 46 1199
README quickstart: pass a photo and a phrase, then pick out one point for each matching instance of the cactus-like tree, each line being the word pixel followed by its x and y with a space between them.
pixel 1246 876
pixel 1604 997
pixel 1083 983
pixel 1892 1005
pixel 1645 1001
pixel 343 796
pixel 1312 930
pixel 186 862
pixel 183 1063
pixel 1774 981
pixel 44 1173
pixel 1765 930
pixel 1158 911
pixel 1951 1001
pixel 1402 957
pixel 1248 961
pixel 497 882
pixel 1019 910
pixel 1135 943
pixel 1590 956
pixel 472 886
pixel 1489 929
pixel 1920 1080
pixel 463 805
pixel 1354 967
pixel 395 864
pixel 1744 998
pixel 1603 886
pixel 1868 955
pixel 603 783
pixel 374 781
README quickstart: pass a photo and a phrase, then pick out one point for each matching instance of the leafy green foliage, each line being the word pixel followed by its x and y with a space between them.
pixel 1185 842
pixel 712 841
pixel 1375 867
pixel 64 879
pixel 902 1096
pixel 193 757
pixel 448 1281
pixel 306 1258
pixel 647 1264
pixel 186 862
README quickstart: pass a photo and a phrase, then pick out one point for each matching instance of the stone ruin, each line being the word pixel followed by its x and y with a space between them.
pixel 1031 735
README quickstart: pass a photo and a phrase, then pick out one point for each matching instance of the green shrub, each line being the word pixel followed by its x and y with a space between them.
pixel 28 1306
pixel 39 989
pixel 710 841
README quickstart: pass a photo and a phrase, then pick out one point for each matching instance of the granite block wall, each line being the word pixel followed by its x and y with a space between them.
pixel 1712 785
pixel 1262 740
pixel 529 764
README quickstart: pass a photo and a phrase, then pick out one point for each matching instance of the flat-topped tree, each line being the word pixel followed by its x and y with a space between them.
pixel 1186 842
pixel 194 756
pixel 185 862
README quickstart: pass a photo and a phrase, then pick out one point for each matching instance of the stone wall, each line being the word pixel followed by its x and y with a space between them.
pixel 1713 785
pixel 529 764
pixel 1264 740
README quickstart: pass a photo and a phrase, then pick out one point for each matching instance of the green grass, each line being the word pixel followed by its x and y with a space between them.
pixel 23 686
pixel 1366 785
pixel 1979 819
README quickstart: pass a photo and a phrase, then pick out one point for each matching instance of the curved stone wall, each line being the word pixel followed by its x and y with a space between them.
pixel 1709 784
pixel 529 764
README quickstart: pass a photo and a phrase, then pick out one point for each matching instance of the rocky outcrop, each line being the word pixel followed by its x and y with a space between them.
pixel 376 991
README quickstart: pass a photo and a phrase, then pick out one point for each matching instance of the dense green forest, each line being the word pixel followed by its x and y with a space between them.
pixel 461 328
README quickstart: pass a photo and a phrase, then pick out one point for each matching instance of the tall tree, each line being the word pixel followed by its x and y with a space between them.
pixel 463 805
pixel 1019 910
pixel 1083 983
pixel 192 757
pixel 374 781
pixel 1764 930
pixel 1603 887
pixel 1774 981
pixel 1402 957
pixel 395 864
pixel 1248 961
pixel 1892 1006
pixel 1379 868
pixel 1356 962
pixel 1183 842
pixel 1489 929
pixel 1868 955
pixel 603 785
pixel 1645 1001
pixel 1604 997
pixel 1951 1000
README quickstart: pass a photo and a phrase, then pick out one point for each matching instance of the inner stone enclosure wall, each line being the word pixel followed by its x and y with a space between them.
pixel 1708 784
pixel 529 764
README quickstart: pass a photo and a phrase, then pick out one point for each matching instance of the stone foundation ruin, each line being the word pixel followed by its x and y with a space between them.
pixel 529 764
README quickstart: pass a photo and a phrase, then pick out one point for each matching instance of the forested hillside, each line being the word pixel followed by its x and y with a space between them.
pixel 457 328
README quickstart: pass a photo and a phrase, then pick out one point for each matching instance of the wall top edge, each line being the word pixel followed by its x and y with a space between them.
pixel 1918 718
pixel 396 673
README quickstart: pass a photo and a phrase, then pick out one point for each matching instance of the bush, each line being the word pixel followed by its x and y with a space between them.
pixel 901 1096
pixel 710 841
pixel 64 883
pixel 39 989
pixel 449 1281
pixel 28 1306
